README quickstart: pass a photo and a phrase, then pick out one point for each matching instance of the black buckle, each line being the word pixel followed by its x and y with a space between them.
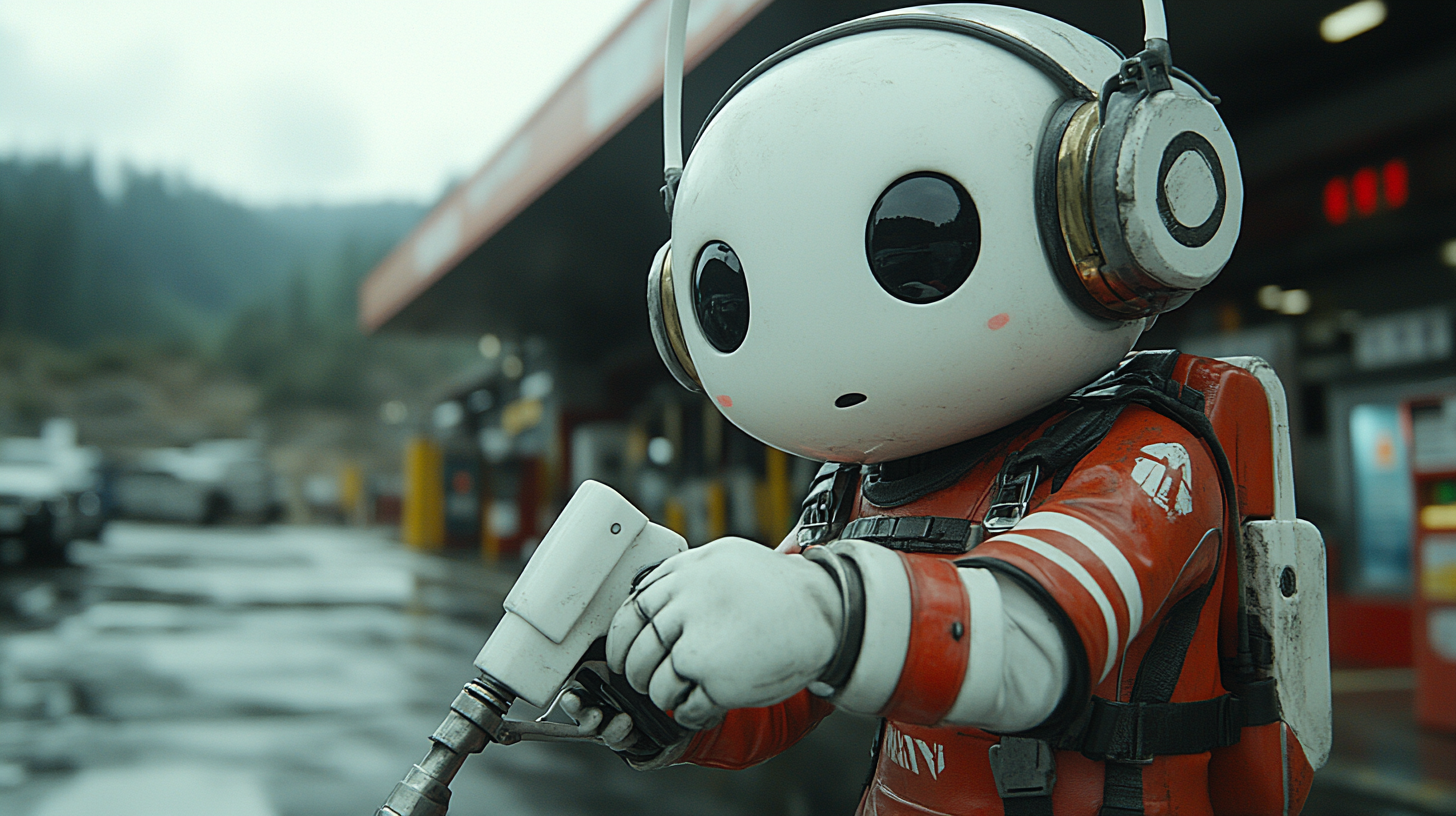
pixel 1231 717
pixel 1013 496
pixel 1115 733
pixel 817 520
pixel 1023 767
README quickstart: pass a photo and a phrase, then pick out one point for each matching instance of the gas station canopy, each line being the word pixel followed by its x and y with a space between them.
pixel 553 235
pixel 572 227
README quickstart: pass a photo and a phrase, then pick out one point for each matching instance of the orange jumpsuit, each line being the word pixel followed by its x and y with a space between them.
pixel 1135 526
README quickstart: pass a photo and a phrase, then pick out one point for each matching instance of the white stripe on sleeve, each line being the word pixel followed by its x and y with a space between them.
pixel 1105 550
pixel 1018 660
pixel 983 688
pixel 1084 578
pixel 887 627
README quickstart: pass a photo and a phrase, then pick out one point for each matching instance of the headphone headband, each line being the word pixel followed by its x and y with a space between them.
pixel 1155 29
pixel 1053 70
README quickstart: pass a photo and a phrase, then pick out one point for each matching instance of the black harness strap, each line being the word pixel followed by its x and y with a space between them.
pixel 1126 732
pixel 1122 790
pixel 927 534
pixel 1052 455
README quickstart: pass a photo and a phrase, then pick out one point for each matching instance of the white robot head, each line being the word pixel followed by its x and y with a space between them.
pixel 873 254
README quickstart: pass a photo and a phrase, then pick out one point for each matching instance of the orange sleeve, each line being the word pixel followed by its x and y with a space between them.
pixel 935 660
pixel 748 736
pixel 1135 527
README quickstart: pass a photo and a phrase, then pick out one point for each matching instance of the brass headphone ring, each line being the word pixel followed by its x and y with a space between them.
pixel 673 323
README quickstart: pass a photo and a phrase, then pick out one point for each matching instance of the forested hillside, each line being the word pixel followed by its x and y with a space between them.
pixel 161 260
pixel 163 314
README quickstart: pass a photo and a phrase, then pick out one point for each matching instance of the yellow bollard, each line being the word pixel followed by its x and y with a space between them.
pixel 489 541
pixel 675 517
pixel 424 495
pixel 777 495
pixel 351 494
pixel 716 501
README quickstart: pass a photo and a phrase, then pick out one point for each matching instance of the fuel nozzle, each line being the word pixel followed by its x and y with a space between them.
pixel 560 606
pixel 474 717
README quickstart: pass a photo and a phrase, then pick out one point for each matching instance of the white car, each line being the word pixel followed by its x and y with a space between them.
pixel 36 521
pixel 76 468
pixel 211 482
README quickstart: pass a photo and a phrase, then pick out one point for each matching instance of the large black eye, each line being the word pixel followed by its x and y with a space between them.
pixel 720 296
pixel 923 237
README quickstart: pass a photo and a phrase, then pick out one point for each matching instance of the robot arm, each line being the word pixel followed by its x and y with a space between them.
pixel 1004 672
pixel 734 625
pixel 1030 618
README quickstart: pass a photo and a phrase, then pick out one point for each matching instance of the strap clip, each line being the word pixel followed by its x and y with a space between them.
pixel 1012 497
pixel 817 518
pixel 828 504
pixel 1023 767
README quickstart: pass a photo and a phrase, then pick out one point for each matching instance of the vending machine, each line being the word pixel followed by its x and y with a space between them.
pixel 1433 466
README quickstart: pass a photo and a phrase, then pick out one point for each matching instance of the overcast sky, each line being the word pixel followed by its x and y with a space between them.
pixel 286 101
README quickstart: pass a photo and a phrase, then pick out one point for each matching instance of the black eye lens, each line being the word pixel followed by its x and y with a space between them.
pixel 923 237
pixel 720 296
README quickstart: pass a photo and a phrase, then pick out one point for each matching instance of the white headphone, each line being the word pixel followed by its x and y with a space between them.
pixel 1127 237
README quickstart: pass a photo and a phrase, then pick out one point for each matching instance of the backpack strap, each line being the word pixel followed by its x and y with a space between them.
pixel 1122 789
pixel 1126 736
pixel 1146 379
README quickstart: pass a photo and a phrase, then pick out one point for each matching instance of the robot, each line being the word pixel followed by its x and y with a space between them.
pixel 919 247
pixel 1069 579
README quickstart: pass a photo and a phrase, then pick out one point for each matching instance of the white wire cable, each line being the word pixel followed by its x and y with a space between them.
pixel 672 80
pixel 1155 21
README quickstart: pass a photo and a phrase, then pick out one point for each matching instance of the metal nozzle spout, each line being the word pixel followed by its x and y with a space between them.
pixel 474 716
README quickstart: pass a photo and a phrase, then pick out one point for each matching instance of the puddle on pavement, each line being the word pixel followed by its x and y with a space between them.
pixel 300 671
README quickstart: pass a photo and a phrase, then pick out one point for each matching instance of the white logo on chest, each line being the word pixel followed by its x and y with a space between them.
pixel 1166 475
pixel 913 754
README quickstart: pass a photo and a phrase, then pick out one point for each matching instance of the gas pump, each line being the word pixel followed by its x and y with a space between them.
pixel 1433 459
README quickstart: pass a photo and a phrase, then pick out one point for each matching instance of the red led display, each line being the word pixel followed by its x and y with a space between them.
pixel 1396 178
pixel 1337 200
pixel 1366 190
pixel 1365 185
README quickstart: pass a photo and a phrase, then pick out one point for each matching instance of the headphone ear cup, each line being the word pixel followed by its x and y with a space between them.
pixel 1064 217
pixel 1166 197
pixel 667 333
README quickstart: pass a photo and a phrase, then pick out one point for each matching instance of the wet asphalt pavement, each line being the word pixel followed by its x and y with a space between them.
pixel 295 670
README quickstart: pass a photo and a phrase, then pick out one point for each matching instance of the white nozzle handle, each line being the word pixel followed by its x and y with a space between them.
pixel 672 79
pixel 1155 21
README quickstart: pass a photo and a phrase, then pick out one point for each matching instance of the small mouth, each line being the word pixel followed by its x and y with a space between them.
pixel 849 400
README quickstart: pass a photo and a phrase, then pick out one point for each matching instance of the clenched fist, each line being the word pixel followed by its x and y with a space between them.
pixel 728 625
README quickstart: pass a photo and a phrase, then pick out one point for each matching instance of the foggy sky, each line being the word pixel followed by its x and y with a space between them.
pixel 286 101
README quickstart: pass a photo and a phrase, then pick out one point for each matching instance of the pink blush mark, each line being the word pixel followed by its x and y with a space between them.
pixel 998 321
pixel 725 400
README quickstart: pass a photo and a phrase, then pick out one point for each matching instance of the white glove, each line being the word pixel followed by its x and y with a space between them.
pixel 729 625
pixel 617 733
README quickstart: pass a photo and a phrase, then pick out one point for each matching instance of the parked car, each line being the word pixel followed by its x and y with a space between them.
pixel 36 522
pixel 51 492
pixel 209 483
pixel 77 469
